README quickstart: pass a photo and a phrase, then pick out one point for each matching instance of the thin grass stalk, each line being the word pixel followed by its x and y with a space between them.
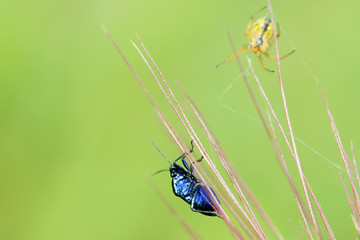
pixel 162 89
pixel 276 232
pixel 161 115
pixel 301 208
pixel 250 216
pixel 271 108
pixel 194 137
pixel 354 189
pixel 293 188
pixel 289 125
pixel 230 173
pixel 356 170
pixel 352 206
pixel 229 206
pixel 183 149
pixel 295 155
pixel 261 116
pixel 182 222
pixel 321 212
pixel 351 166
pixel 191 137
pixel 296 230
pixel 306 230
pixel 351 203
pixel 247 84
pixel 227 221
pixel 357 227
pixel 236 175
pixel 227 168
pixel 353 172
pixel 356 173
pixel 201 148
pixel 342 152
pixel 128 65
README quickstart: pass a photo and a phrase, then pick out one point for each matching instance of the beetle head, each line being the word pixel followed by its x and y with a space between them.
pixel 176 170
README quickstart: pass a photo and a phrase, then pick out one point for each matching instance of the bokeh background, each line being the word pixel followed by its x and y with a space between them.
pixel 75 127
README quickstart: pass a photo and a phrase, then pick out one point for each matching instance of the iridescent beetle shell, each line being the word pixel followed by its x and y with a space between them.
pixel 189 188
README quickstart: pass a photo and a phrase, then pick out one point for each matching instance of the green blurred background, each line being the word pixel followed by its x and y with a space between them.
pixel 75 127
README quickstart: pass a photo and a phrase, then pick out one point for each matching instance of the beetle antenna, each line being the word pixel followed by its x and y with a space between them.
pixel 160 153
pixel 160 171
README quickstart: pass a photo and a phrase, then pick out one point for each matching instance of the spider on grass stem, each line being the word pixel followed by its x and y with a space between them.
pixel 260 34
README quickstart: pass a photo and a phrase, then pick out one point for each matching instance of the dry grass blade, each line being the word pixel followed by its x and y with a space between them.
pixel 238 183
pixel 240 204
pixel 230 174
pixel 351 203
pixel 301 174
pixel 321 212
pixel 355 203
pixel 297 232
pixel 297 198
pixel 247 84
pixel 181 145
pixel 293 188
pixel 185 122
pixel 356 173
pixel 172 210
pixel 193 136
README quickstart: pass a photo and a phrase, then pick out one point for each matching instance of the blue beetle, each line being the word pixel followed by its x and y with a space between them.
pixel 189 188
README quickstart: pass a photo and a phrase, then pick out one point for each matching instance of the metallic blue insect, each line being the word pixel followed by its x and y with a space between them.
pixel 191 189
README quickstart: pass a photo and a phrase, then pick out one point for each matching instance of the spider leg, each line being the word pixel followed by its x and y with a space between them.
pixel 233 56
pixel 274 57
pixel 263 65
pixel 252 18
pixel 278 28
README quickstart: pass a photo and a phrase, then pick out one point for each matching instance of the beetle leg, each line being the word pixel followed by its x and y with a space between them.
pixel 186 165
pixel 191 168
pixel 181 157
pixel 200 159
pixel 263 65
pixel 192 164
pixel 185 153
pixel 192 146
pixel 274 57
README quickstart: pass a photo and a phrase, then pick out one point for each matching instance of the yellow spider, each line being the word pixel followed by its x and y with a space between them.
pixel 260 34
